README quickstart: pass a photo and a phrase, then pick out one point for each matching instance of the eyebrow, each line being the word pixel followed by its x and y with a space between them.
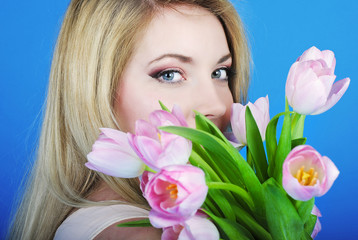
pixel 180 57
pixel 186 59
pixel 224 58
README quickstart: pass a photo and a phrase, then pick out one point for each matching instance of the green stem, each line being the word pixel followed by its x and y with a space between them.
pixel 250 223
pixel 297 126
pixel 149 169
pixel 233 188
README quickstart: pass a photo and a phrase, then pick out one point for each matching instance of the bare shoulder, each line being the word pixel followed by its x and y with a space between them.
pixel 131 233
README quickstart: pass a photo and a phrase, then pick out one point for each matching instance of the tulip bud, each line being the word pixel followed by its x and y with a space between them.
pixel 309 87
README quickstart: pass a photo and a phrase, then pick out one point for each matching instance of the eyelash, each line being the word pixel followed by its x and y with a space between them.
pixel 159 75
pixel 229 73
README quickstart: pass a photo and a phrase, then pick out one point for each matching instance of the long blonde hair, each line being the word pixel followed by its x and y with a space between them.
pixel 96 40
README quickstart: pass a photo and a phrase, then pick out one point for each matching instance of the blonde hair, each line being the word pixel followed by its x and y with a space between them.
pixel 96 40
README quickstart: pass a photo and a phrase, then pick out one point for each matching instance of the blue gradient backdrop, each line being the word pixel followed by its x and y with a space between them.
pixel 279 31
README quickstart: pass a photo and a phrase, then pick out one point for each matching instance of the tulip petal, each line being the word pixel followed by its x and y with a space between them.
pixel 316 211
pixel 291 80
pixel 232 139
pixel 117 136
pixel 199 228
pixel 176 153
pixel 295 189
pixel 338 89
pixel 149 149
pixel 309 97
pixel 186 183
pixel 144 179
pixel 238 122
pixel 323 175
pixel 160 220
pixel 170 234
pixel 143 128
pixel 331 174
pixel 330 60
pixel 163 118
pixel 312 53
pixel 317 228
pixel 179 115
pixel 115 163
pixel 260 112
pixel 303 93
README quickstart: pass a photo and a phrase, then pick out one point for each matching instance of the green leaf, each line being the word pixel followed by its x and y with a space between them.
pixel 306 236
pixel 271 142
pixel 310 224
pixel 164 107
pixel 283 148
pixel 212 128
pixel 255 145
pixel 222 202
pixel 229 160
pixel 218 149
pixel 138 223
pixel 223 199
pixel 246 220
pixel 283 219
pixel 233 188
pixel 196 160
pixel 304 208
pixel 232 230
pixel 201 124
pixel 298 141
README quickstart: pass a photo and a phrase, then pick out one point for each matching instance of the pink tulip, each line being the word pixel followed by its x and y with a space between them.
pixel 195 228
pixel 317 228
pixel 309 87
pixel 158 148
pixel 112 155
pixel 260 112
pixel 175 194
pixel 144 179
pixel 307 174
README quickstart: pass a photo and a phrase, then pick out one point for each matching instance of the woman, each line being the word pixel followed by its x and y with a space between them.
pixel 113 61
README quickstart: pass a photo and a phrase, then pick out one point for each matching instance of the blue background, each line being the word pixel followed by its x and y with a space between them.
pixel 279 31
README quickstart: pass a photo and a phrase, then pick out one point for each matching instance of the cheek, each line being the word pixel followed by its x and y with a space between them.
pixel 131 104
pixel 228 101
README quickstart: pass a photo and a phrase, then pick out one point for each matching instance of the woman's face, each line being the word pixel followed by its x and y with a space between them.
pixel 183 58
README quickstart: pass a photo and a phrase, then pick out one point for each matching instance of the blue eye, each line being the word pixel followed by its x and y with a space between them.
pixel 169 76
pixel 221 74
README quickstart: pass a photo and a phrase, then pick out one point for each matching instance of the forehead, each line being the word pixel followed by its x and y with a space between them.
pixel 187 29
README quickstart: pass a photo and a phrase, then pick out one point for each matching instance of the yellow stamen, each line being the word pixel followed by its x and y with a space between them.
pixel 160 137
pixel 174 191
pixel 308 178
pixel 171 186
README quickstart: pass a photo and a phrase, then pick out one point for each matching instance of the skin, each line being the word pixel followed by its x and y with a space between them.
pixel 193 50
pixel 183 58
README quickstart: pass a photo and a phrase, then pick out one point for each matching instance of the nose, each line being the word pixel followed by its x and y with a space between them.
pixel 213 100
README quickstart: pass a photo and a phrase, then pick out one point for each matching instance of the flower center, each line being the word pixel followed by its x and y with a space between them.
pixel 160 137
pixel 308 178
pixel 173 191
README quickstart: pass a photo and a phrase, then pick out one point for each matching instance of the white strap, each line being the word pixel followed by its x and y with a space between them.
pixel 87 223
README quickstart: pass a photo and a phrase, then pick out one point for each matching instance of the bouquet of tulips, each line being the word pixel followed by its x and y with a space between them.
pixel 199 186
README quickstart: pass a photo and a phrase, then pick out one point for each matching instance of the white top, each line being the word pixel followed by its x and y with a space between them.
pixel 87 223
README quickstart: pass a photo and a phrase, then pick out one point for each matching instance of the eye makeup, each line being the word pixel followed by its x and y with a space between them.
pixel 168 76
